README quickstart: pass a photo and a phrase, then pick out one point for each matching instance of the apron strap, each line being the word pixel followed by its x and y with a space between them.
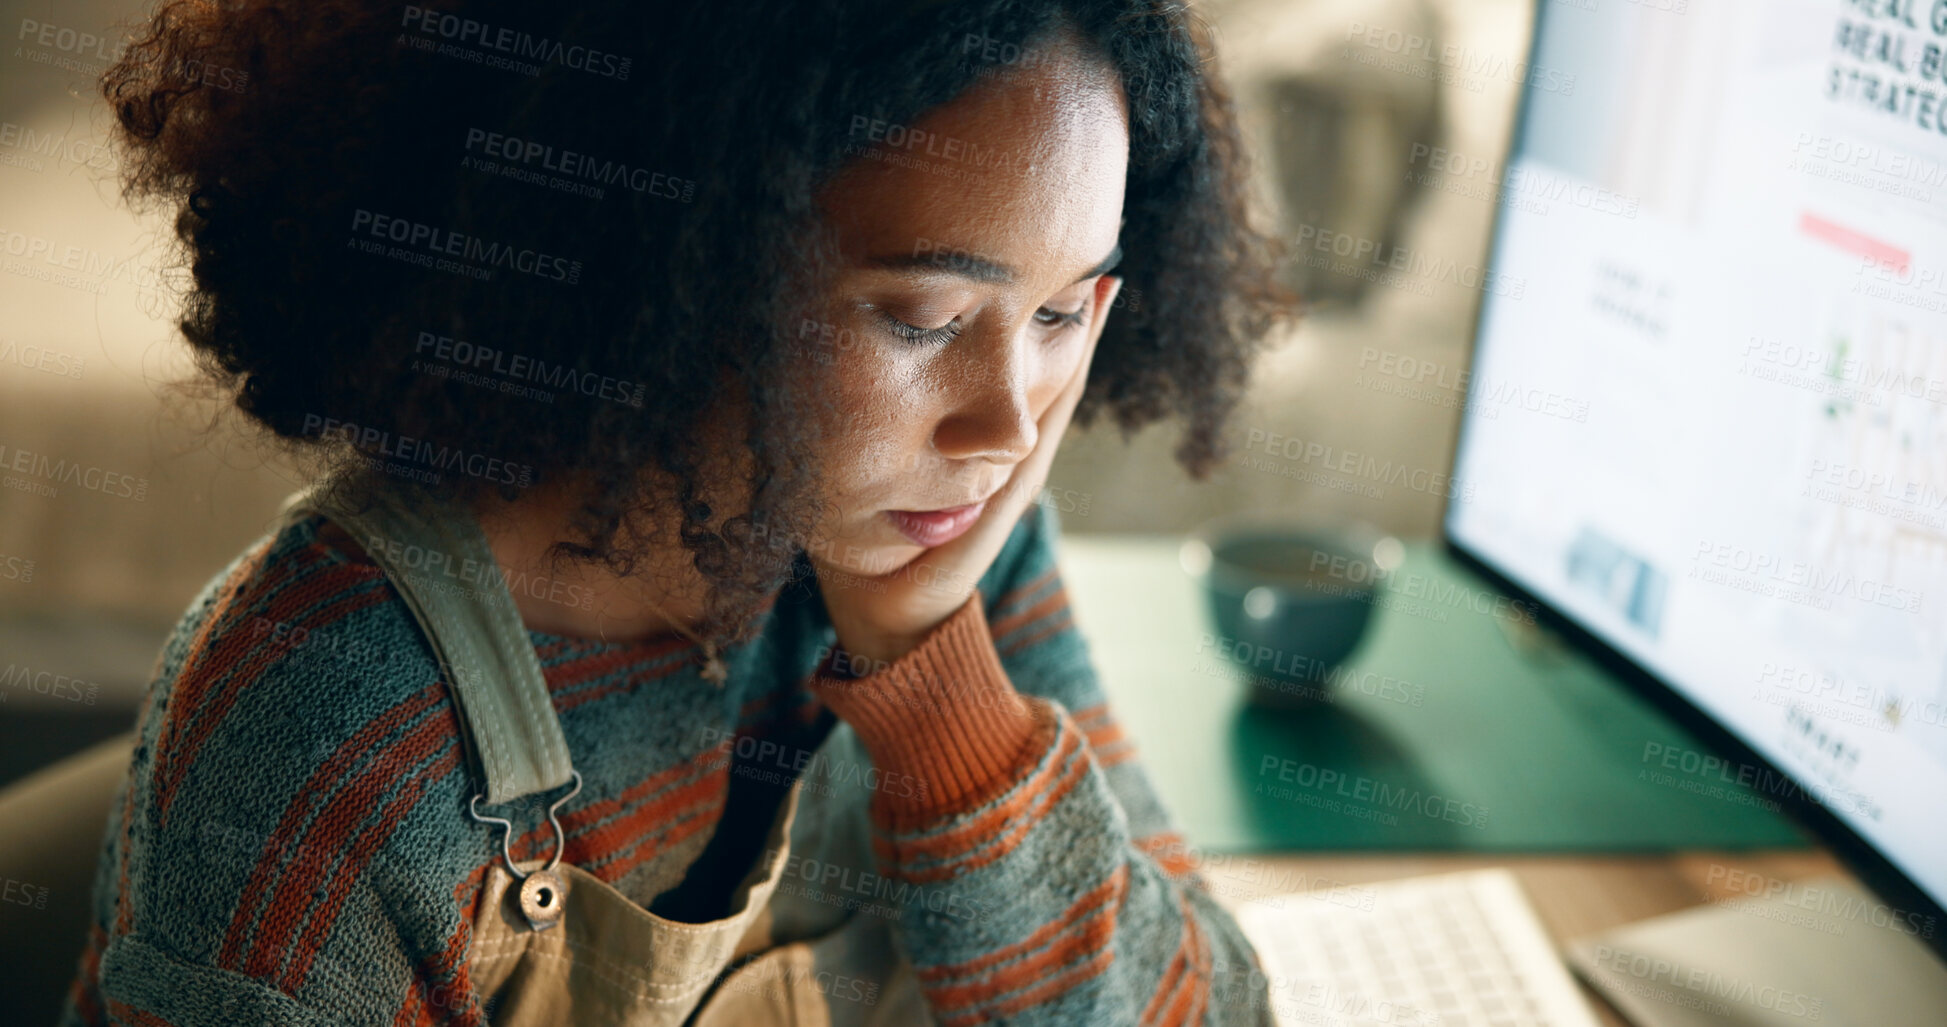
pixel 439 561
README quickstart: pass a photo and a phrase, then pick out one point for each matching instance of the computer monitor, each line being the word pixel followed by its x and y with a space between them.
pixel 1707 434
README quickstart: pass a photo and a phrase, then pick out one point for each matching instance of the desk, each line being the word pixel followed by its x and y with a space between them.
pixel 1548 749
pixel 1573 895
pixel 1543 737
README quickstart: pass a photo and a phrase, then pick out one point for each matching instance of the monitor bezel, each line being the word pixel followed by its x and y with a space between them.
pixel 1885 878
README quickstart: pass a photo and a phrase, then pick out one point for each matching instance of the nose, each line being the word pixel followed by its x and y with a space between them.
pixel 991 386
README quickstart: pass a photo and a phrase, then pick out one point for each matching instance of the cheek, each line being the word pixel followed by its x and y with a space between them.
pixel 1058 370
pixel 1056 362
pixel 883 423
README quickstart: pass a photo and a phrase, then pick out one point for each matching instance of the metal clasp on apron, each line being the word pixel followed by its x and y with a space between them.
pixel 541 893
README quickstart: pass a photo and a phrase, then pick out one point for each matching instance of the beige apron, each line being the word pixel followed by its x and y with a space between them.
pixel 826 955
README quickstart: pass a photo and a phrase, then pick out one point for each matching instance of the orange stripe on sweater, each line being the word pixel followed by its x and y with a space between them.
pixel 210 712
pixel 551 649
pixel 124 903
pixel 1051 627
pixel 319 785
pixel 1093 937
pixel 962 836
pixel 1110 742
pixel 589 839
pixel 1014 596
pixel 1001 846
pixel 413 1012
pixel 1091 716
pixel 453 963
pixel 1109 890
pixel 679 829
pixel 245 591
pixel 1086 927
pixel 564 703
pixel 1170 851
pixel 222 635
pixel 1185 985
pixel 1195 995
pixel 1053 603
pixel 328 835
pixel 994 834
pixel 1019 827
pixel 1202 1005
pixel 1105 735
pixel 447 970
pixel 317 929
pixel 1056 985
pixel 582 819
pixel 1166 987
pixel 664 821
pixel 626 844
pixel 563 676
pixel 202 664
pixel 84 992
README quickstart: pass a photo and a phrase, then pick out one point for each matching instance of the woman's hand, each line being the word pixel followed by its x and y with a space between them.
pixel 881 618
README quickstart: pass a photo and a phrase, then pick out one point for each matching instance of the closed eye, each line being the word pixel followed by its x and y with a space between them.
pixel 1059 319
pixel 921 336
pixel 1055 319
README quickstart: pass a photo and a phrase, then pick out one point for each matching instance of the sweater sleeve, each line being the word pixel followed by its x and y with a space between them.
pixel 282 850
pixel 1034 809
pixel 148 985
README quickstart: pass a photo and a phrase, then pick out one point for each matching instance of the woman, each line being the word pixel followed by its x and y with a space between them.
pixel 741 338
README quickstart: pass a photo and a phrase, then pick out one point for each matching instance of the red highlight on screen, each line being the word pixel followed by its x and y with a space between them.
pixel 1853 241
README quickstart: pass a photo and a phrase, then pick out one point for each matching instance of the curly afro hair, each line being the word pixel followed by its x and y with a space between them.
pixel 487 245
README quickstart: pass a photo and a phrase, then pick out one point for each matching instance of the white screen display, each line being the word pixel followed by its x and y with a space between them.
pixel 1726 454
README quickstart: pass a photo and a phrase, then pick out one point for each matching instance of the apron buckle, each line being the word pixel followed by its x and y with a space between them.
pixel 541 896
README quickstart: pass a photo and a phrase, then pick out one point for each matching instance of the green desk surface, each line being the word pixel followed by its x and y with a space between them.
pixel 1505 751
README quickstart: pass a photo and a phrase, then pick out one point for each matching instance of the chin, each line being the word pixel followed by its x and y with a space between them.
pixel 871 549
pixel 899 556
pixel 885 558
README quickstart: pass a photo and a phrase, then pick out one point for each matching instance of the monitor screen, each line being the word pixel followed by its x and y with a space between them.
pixel 1710 432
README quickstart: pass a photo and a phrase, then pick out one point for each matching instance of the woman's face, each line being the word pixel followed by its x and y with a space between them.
pixel 972 242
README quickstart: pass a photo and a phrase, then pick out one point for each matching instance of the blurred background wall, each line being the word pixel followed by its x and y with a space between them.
pixel 1378 128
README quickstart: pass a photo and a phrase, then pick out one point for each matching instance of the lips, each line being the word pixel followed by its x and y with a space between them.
pixel 936 527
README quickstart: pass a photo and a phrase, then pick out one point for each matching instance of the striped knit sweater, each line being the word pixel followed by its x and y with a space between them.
pixel 291 845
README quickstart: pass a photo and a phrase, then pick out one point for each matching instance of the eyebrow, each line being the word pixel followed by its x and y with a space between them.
pixel 961 262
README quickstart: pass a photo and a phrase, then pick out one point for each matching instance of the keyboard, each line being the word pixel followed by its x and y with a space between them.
pixel 1447 950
